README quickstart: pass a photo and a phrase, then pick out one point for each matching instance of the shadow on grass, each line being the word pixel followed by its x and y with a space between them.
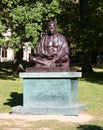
pixel 89 127
pixel 94 77
pixel 16 99
pixel 5 75
pixel 6 71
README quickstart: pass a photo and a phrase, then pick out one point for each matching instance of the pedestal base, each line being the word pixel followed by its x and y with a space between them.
pixel 50 93
pixel 71 110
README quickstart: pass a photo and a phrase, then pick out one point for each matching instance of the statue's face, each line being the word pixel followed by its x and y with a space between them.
pixel 52 28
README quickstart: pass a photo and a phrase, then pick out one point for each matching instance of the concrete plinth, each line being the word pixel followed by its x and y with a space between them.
pixel 50 93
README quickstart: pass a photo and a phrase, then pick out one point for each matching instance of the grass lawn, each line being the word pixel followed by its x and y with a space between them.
pixel 90 92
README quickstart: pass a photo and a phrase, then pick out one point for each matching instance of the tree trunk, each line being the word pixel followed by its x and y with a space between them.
pixel 83 8
pixel 86 63
pixel 18 60
pixel 86 58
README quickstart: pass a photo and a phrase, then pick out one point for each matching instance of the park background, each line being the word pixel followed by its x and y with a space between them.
pixel 81 22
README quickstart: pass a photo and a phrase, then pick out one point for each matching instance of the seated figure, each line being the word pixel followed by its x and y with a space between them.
pixel 52 49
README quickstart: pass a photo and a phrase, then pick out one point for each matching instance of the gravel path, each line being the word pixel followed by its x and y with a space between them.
pixel 81 118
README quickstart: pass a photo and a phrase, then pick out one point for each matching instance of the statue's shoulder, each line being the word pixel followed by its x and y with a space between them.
pixel 44 36
pixel 61 36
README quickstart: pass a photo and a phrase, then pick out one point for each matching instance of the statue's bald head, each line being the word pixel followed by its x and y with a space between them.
pixel 52 26
pixel 52 22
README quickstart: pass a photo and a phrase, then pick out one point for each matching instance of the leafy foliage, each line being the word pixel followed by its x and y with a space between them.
pixel 25 19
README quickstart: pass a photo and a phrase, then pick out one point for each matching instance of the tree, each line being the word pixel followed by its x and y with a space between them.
pixel 82 24
pixel 25 18
pixel 86 59
pixel 91 30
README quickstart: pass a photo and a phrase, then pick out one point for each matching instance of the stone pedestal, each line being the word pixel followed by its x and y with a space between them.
pixel 50 93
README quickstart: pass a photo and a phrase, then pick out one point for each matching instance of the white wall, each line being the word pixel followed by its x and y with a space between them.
pixel 26 51
pixel 10 54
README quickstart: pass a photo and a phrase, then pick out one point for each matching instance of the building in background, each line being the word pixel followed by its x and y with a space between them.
pixel 7 54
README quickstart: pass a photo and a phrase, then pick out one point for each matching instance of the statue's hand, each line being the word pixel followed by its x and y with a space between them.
pixel 49 63
pixel 32 58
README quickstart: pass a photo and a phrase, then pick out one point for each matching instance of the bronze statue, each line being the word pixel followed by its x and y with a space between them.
pixel 52 49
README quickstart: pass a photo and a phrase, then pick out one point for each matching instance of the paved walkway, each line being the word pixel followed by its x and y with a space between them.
pixel 81 118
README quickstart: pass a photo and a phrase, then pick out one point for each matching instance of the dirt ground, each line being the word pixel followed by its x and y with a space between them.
pixel 81 118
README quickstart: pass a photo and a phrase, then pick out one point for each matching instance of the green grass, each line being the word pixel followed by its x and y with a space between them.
pixel 90 92
pixel 10 94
